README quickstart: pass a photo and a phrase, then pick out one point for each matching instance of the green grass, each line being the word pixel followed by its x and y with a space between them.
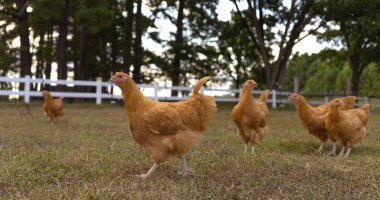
pixel 89 154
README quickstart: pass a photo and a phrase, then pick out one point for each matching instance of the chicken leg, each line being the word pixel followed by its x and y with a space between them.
pixel 185 170
pixel 348 152
pixel 321 147
pixel 245 148
pixel 253 150
pixel 150 172
pixel 333 151
pixel 342 152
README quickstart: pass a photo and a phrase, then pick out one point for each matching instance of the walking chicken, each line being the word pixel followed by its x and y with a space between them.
pixel 250 116
pixel 165 129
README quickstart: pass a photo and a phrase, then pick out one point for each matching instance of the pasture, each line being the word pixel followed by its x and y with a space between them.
pixel 89 154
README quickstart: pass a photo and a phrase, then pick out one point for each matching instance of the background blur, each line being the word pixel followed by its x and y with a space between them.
pixel 329 46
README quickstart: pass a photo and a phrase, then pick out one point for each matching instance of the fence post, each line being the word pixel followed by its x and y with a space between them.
pixel 27 89
pixel 296 85
pixel 365 99
pixel 274 99
pixel 326 99
pixel 156 92
pixel 98 90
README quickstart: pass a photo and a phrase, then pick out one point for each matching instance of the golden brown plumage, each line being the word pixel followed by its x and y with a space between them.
pixel 53 108
pixel 312 118
pixel 348 103
pixel 347 126
pixel 165 129
pixel 251 116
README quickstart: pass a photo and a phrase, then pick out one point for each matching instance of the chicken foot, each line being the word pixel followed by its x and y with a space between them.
pixel 185 170
pixel 246 149
pixel 321 147
pixel 150 172
pixel 342 152
pixel 333 151
pixel 348 152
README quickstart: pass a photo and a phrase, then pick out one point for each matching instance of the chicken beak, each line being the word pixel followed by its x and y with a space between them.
pixel 255 85
pixel 111 80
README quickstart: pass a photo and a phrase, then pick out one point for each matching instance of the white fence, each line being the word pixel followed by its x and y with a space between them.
pixel 221 95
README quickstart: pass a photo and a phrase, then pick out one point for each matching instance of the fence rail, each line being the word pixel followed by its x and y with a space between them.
pixel 276 98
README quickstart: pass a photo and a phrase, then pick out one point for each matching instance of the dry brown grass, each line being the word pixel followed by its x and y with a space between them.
pixel 89 154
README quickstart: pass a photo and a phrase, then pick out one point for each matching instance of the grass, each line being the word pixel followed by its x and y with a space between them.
pixel 89 154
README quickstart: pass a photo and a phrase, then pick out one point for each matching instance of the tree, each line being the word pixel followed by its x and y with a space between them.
pixel 370 84
pixel 238 56
pixel 190 50
pixel 20 16
pixel 8 56
pixel 138 52
pixel 322 76
pixel 92 19
pixel 62 44
pixel 128 30
pixel 355 25
pixel 178 47
pixel 299 67
pixel 272 23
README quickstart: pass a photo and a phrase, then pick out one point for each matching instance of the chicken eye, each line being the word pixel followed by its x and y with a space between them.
pixel 119 76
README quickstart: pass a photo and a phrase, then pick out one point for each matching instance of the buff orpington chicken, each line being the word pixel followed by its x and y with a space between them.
pixel 165 129
pixel 53 108
pixel 347 126
pixel 313 118
pixel 250 116
pixel 348 103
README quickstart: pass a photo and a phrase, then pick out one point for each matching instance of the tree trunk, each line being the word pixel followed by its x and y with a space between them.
pixel 238 80
pixel 356 73
pixel 82 68
pixel 137 46
pixel 282 62
pixel 61 47
pixel 178 48
pixel 49 59
pixel 23 28
pixel 40 59
pixel 103 56
pixel 127 58
pixel 83 75
pixel 294 25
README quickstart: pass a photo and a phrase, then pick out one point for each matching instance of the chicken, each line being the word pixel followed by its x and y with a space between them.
pixel 313 119
pixel 362 112
pixel 250 116
pixel 348 103
pixel 165 129
pixel 53 108
pixel 347 126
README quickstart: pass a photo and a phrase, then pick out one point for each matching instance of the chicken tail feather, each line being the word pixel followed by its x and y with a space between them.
pixel 367 109
pixel 264 96
pixel 203 105
pixel 199 85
